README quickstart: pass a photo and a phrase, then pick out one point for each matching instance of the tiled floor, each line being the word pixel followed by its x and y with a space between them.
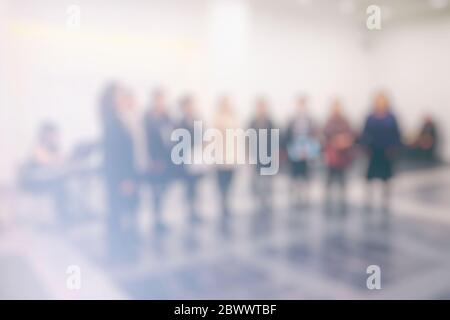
pixel 291 254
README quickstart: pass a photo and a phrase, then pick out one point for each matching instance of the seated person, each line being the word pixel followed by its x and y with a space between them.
pixel 425 144
pixel 44 171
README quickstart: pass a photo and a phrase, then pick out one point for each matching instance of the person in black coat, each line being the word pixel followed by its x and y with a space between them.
pixel 382 139
pixel 158 128
pixel 262 185
pixel 120 174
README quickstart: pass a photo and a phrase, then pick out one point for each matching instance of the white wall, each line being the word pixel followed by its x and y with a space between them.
pixel 209 49
pixel 412 61
pixel 5 128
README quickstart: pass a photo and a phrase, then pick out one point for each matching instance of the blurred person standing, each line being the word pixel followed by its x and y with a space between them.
pixel 302 147
pixel 158 128
pixel 382 139
pixel 262 185
pixel 191 173
pixel 225 119
pixel 338 143
pixel 121 178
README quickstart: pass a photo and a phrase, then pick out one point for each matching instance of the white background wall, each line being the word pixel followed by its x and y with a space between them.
pixel 54 73
pixel 412 61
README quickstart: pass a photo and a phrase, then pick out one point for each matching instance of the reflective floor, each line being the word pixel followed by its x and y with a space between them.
pixel 315 251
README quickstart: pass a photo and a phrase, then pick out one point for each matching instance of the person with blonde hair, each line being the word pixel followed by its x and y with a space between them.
pixel 381 137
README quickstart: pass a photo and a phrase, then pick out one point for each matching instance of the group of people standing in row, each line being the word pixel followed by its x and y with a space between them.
pixel 302 142
pixel 137 152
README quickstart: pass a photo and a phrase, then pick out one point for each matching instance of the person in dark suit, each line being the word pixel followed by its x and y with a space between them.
pixel 120 175
pixel 158 129
pixel 381 138
pixel 262 185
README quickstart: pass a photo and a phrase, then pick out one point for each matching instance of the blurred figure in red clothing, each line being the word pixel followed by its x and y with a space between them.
pixel 338 143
